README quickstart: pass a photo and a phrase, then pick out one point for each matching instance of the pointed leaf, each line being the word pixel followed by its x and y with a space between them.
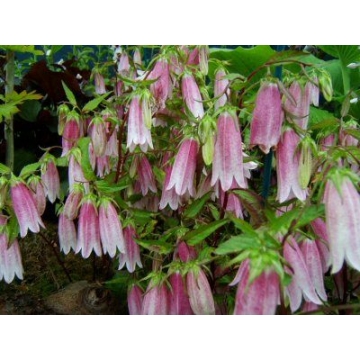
pixel 70 96
pixel 94 103
pixel 192 210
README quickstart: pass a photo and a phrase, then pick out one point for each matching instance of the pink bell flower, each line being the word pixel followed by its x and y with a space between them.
pixel 287 162
pixel 138 133
pixel 268 116
pixel 179 300
pixel 301 284
pixel 183 171
pixel 228 167
pixel 156 299
pixel 76 175
pixel 342 213
pixel 97 132
pixel 25 208
pixel 71 133
pixel 191 95
pixel 38 193
pixel 51 180
pixel 131 257
pixel 10 256
pixel 99 83
pixel 88 229
pixel 135 300
pixel 298 111
pixel 261 296
pixel 67 234
pixel 111 233
pixel 162 88
pixel 169 197
pixel 72 203
pixel 322 242
pixel 200 294
pixel 146 177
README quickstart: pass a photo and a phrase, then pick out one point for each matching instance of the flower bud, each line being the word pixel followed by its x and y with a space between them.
pixel 326 85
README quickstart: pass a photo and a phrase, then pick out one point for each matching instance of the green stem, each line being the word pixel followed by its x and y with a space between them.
pixel 9 126
pixel 346 78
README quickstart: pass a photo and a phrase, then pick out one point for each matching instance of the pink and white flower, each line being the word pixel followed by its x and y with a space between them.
pixel 131 257
pixel 156 299
pixel 67 234
pixel 221 89
pixel 228 164
pixel 179 299
pixel 135 300
pixel 25 208
pixel 51 180
pixel 191 95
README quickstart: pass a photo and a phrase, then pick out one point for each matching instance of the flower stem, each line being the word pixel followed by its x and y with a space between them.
pixel 9 125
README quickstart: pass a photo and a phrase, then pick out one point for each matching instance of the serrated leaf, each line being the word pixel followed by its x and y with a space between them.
pixel 237 244
pixel 29 169
pixel 94 103
pixel 196 236
pixel 69 94
pixel 83 145
pixel 193 209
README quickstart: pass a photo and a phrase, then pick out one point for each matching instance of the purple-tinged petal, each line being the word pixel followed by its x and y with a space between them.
pixel 135 300
pixel 156 300
pixel 132 251
pixel 67 234
pixel 191 95
pixel 179 300
pixel 50 178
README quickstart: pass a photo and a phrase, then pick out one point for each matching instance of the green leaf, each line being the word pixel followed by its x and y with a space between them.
pixel 22 49
pixel 192 210
pixel 244 226
pixel 83 145
pixel 108 188
pixel 142 217
pixel 311 213
pixel 196 236
pixel 160 247
pixel 70 96
pixel 238 244
pixel 94 103
pixel 4 170
pixel 242 60
pixel 346 53
pixel 30 110
pixel 321 119
pixel 29 169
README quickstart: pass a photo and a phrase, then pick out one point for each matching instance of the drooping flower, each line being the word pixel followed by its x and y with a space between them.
pixel 38 193
pixel 299 110
pixel 268 116
pixel 156 299
pixel 301 283
pixel 138 133
pixel 342 213
pixel 25 208
pixel 259 297
pixel 99 83
pixel 72 203
pixel 191 95
pixel 51 180
pixel 228 164
pixel 10 256
pixel 97 131
pixel 135 300
pixel 111 233
pixel 169 197
pixel 162 88
pixel 183 171
pixel 71 132
pixel 76 174
pixel 322 242
pixel 313 91
pixel 179 299
pixel 287 162
pixel 67 234
pixel 132 251
pixel 88 238
pixel 200 294
pixel 313 263
pixel 146 177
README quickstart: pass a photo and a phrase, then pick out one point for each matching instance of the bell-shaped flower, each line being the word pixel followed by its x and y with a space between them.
pixel 51 180
pixel 72 203
pixel 258 297
pixel 162 87
pixel 169 197
pixel 10 256
pixel 137 131
pixel 76 174
pixel 298 107
pixel 342 213
pixel 268 116
pixel 97 132
pixel 25 208
pixel 313 263
pixel 322 242
pixel 156 299
pixel 38 193
pixel 200 294
pixel 67 234
pixel 131 257
pixel 183 171
pixel 301 283
pixel 221 88
pixel 135 300
pixel 191 95
pixel 287 162
pixel 111 233
pixel 228 164
pixel 88 239
pixel 146 177
pixel 99 83
pixel 313 91
pixel 71 132
pixel 179 299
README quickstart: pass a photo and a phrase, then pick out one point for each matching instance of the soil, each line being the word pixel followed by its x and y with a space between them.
pixel 55 283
